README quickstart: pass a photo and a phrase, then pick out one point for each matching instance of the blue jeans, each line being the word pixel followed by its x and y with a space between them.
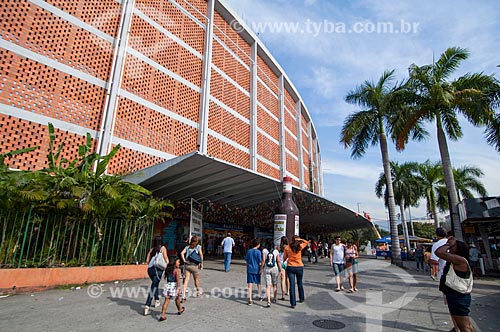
pixel 420 263
pixel 292 272
pixel 155 276
pixel 227 260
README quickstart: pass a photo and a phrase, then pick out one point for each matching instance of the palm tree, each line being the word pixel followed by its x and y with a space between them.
pixel 367 127
pixel 430 176
pixel 406 190
pixel 466 181
pixel 435 98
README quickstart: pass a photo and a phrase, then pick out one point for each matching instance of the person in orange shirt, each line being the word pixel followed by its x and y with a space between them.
pixel 295 267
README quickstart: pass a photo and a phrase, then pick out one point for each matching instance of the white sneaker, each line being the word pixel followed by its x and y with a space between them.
pixel 157 303
pixel 146 310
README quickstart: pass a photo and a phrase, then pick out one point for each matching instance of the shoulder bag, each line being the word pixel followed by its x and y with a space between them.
pixel 461 285
pixel 194 256
pixel 160 261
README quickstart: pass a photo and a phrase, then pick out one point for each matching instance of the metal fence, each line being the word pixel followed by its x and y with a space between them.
pixel 29 239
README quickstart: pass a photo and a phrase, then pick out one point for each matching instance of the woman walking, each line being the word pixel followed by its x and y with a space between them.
pixel 351 254
pixel 456 282
pixel 192 255
pixel 295 267
pixel 285 282
pixel 156 257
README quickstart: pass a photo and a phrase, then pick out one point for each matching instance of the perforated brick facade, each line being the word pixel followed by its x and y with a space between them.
pixel 147 75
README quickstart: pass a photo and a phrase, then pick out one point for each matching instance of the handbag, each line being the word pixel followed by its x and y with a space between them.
pixel 160 261
pixel 461 285
pixel 194 257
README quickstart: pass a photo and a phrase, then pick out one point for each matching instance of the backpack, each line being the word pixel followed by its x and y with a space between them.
pixel 270 260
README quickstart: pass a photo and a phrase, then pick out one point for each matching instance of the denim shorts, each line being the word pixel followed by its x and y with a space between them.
pixel 338 268
pixel 458 304
pixel 352 267
pixel 253 278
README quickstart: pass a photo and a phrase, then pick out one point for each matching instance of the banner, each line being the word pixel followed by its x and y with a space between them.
pixel 296 225
pixel 279 228
pixel 196 222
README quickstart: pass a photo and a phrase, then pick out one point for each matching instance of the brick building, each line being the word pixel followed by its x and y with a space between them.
pixel 161 78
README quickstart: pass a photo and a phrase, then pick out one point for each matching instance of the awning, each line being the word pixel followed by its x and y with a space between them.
pixel 208 179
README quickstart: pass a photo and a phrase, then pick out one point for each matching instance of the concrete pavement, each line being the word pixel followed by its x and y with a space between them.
pixel 389 299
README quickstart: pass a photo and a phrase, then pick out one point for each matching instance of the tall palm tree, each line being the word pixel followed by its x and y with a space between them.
pixel 436 98
pixel 430 176
pixel 466 181
pixel 379 103
pixel 406 190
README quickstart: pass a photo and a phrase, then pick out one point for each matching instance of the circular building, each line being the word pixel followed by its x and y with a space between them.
pixel 198 104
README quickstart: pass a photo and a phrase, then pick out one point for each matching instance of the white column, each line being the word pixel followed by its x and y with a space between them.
pixel 281 111
pixel 310 171
pixel 115 79
pixel 205 80
pixel 253 107
pixel 298 119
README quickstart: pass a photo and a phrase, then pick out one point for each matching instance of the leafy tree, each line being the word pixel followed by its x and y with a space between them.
pixel 434 97
pixel 379 102
pixel 430 176
pixel 406 189
pixel 466 181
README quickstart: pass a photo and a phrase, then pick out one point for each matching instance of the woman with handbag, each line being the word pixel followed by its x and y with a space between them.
pixel 157 262
pixel 456 282
pixel 192 255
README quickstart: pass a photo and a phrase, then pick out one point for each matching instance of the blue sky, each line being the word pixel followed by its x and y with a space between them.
pixel 328 47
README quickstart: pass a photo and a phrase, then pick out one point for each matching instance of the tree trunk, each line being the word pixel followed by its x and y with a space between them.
pixel 395 249
pixel 411 222
pixel 434 214
pixel 405 227
pixel 450 181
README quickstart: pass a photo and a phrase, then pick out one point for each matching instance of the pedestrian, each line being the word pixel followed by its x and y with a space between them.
pixel 314 249
pixel 254 269
pixel 157 262
pixel 172 287
pixel 419 257
pixel 180 245
pixel 427 259
pixel 337 257
pixel 228 245
pixel 351 254
pixel 285 281
pixel 210 245
pixel 309 252
pixel 325 248
pixel 271 265
pixel 437 264
pixel 192 256
pixel 474 259
pixel 456 282
pixel 295 267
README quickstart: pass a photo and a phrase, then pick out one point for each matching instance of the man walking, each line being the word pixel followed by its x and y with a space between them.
pixel 227 244
pixel 337 261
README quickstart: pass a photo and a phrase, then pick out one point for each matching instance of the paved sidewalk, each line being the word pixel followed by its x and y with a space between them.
pixel 389 299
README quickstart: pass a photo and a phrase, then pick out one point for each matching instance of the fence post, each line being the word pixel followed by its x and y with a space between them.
pixel 24 238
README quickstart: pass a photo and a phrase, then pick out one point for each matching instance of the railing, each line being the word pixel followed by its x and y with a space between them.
pixel 29 239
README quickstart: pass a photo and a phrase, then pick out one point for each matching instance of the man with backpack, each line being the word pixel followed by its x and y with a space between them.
pixel 272 267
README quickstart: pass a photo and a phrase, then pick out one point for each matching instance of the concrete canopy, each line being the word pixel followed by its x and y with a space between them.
pixel 208 179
